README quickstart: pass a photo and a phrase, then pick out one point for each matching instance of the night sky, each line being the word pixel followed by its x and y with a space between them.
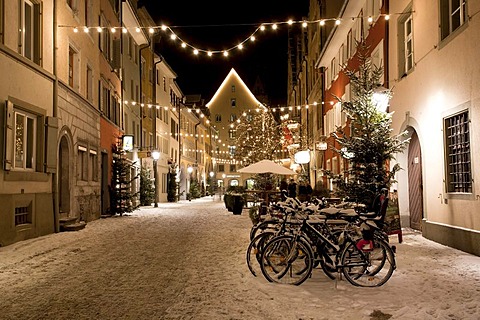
pixel 217 25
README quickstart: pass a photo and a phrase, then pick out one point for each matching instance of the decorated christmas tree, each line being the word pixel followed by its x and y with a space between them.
pixel 370 144
pixel 147 188
pixel 121 197
pixel 258 137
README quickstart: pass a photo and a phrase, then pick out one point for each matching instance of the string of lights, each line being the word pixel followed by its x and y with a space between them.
pixel 196 50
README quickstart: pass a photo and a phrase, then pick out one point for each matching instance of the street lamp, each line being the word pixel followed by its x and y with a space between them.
pixel 380 98
pixel 155 156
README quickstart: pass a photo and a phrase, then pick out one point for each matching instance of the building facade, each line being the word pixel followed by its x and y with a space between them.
pixel 433 68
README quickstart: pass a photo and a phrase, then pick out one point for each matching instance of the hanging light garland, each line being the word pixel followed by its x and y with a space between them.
pixel 169 30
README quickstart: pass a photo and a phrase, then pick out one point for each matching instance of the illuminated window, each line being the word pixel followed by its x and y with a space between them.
pixel 25 140
pixel 405 43
pixel 232 133
pixel 233 88
pixel 457 153
pixel 233 117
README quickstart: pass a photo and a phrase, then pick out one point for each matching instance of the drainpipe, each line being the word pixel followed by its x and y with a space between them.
pixel 141 96
pixel 55 114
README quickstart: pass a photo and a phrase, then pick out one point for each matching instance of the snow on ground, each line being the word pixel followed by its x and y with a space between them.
pixel 187 261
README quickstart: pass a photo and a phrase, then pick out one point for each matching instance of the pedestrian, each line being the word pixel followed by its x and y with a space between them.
pixel 304 191
pixel 292 189
pixel 283 185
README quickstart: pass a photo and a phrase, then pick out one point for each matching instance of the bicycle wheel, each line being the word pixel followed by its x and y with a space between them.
pixel 254 251
pixel 261 226
pixel 368 268
pixel 286 260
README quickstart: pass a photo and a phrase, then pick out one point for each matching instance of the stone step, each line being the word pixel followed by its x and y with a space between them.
pixel 67 220
pixel 73 226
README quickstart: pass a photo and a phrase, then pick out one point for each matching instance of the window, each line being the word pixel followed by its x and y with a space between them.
pixel 25 142
pixel 93 165
pixel 221 167
pixel 457 153
pixel 23 214
pixel 105 39
pixel 233 117
pixel 233 168
pixel 231 150
pixel 453 14
pixel 232 133
pixel 89 13
pixel 89 86
pixel 405 43
pixel 218 118
pixel 29 35
pixel 233 88
pixel 82 163
pixel 164 84
pixel 73 67
pixel 233 102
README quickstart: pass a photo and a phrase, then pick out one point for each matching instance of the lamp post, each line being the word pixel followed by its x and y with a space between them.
pixel 155 156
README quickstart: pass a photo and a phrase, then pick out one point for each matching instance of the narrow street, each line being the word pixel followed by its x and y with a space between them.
pixel 187 261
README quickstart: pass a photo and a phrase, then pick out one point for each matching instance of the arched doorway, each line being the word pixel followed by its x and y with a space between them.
pixel 64 176
pixel 415 182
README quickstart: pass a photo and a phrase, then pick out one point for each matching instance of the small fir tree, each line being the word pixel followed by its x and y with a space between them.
pixel 121 197
pixel 370 145
pixel 147 189
pixel 172 187
pixel 194 189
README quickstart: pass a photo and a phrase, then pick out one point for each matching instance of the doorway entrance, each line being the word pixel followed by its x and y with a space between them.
pixel 64 177
pixel 415 182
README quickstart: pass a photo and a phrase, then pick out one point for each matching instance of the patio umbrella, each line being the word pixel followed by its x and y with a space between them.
pixel 266 166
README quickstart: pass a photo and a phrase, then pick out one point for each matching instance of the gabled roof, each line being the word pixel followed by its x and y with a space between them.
pixel 233 74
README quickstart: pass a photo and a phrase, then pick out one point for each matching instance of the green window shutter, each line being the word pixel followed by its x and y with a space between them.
pixel 9 120
pixel 51 145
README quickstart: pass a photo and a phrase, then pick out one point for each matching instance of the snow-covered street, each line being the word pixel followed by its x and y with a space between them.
pixel 187 261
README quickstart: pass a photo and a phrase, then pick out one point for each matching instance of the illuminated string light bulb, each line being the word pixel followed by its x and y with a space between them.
pixel 151 30
pixel 209 53
pixel 304 24
pixel 99 29
pixel 173 36
pixel 262 27
pixel 240 46
pixel 75 29
pixel 184 45
pixel 124 30
pixel 370 19
pixel 252 38
pixel 85 29
pixel 322 22
pixel 290 22
pixel 195 51
pixel 164 27
pixel 274 26
pixel 337 22
pixel 225 53
pixel 137 29
pixel 387 17
pixel 112 30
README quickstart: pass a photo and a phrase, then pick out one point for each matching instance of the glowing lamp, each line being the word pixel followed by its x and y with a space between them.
pixel 302 157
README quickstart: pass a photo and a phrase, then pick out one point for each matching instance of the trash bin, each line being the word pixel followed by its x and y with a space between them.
pixel 238 203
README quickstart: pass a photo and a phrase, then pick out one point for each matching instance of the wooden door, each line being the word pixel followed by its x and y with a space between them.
pixel 415 182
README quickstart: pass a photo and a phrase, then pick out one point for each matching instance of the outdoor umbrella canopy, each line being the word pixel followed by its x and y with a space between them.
pixel 266 166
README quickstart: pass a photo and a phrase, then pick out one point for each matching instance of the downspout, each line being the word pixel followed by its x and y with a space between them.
pixel 386 46
pixel 154 90
pixel 141 95
pixel 55 114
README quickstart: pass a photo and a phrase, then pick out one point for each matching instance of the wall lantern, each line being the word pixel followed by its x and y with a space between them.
pixel 302 157
pixel 127 143
pixel 155 155
pixel 211 174
pixel 380 98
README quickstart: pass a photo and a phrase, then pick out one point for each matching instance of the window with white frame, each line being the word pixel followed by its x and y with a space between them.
pixel 93 159
pixel 25 140
pixel 405 43
pixel 82 163
pixel 232 133
pixel 30 30
pixel 458 153
pixel 104 39
pixel 453 14
pixel 89 16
